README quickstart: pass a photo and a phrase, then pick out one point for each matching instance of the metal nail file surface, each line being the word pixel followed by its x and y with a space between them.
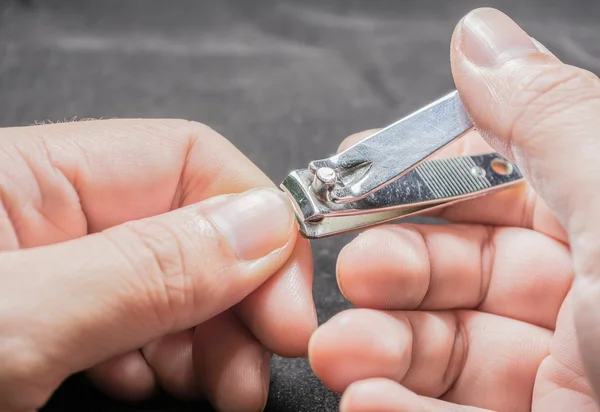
pixel 387 175
pixel 398 147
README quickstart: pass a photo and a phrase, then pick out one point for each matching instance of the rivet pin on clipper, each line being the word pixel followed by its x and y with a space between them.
pixel 388 176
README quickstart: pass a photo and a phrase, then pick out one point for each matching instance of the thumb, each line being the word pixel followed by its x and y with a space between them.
pixel 69 306
pixel 541 113
pixel 544 115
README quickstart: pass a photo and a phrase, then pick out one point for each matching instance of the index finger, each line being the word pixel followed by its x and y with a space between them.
pixel 120 169
pixel 66 180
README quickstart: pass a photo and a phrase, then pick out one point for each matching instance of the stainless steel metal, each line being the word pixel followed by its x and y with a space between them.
pixel 324 179
pixel 388 154
pixel 386 176
pixel 432 184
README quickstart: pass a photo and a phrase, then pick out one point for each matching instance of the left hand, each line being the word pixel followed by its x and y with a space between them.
pixel 62 182
pixel 475 312
pixel 478 314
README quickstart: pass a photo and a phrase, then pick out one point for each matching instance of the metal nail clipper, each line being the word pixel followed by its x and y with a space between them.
pixel 387 176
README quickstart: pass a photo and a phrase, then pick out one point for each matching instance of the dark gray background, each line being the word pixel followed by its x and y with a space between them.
pixel 284 80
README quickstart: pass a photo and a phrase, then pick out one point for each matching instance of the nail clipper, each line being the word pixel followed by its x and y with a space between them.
pixel 388 176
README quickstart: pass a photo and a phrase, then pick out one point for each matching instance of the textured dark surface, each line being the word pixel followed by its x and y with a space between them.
pixel 284 80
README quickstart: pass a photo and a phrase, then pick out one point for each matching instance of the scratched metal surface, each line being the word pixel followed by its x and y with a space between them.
pixel 284 80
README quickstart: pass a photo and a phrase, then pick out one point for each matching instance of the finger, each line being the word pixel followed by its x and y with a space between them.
pixel 543 48
pixel 468 357
pixel 88 176
pixel 228 360
pixel 544 115
pixel 166 362
pixel 281 313
pixel 275 314
pixel 291 286
pixel 470 144
pixel 127 377
pixel 517 206
pixel 384 395
pixel 561 382
pixel 355 138
pixel 143 279
pixel 521 98
pixel 127 169
pixel 170 357
pixel 510 272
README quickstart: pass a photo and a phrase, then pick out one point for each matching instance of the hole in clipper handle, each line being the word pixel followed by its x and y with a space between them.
pixel 502 167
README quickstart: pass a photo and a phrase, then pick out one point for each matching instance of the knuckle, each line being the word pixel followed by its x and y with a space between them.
pixel 457 354
pixel 197 138
pixel 186 133
pixel 549 92
pixel 199 130
pixel 190 131
pixel 25 197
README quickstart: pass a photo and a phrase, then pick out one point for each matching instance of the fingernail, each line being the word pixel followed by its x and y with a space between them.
pixel 542 48
pixel 255 223
pixel 489 37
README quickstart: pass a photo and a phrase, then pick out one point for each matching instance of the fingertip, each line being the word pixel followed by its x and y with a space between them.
pixel 455 39
pixel 232 367
pixel 542 48
pixel 170 357
pixel 378 395
pixel 344 257
pixel 355 138
pixel 127 377
pixel 359 344
pixel 255 223
pixel 281 313
pixel 314 358
pixel 384 268
pixel 356 262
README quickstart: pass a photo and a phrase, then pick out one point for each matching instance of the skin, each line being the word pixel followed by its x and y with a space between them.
pixel 117 258
pixel 122 253
pixel 498 309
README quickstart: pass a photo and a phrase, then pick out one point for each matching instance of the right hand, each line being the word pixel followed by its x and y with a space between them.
pixel 136 249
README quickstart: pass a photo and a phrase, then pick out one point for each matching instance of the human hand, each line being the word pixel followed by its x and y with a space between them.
pixel 114 236
pixel 480 314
